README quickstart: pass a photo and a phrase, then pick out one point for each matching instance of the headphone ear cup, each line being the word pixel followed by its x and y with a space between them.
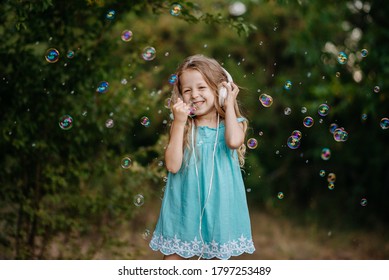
pixel 222 95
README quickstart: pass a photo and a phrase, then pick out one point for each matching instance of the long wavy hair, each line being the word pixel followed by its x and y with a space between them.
pixel 214 75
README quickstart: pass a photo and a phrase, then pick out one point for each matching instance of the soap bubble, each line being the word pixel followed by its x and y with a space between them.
pixel 287 111
pixel 173 78
pixel 303 110
pixel 110 15
pixel 139 200
pixel 126 162
pixel 325 154
pixel 70 54
pixel 52 55
pixel 342 58
pixel 331 178
pixel 364 52
pixel 65 122
pixel 363 202
pixel 377 89
pixel 109 123
pixel 308 122
pixel 149 53
pixel 331 186
pixel 252 143
pixel 293 143
pixel 323 110
pixel 322 173
pixel 102 87
pixel 280 195
pixel 296 134
pixel 266 100
pixel 288 85
pixel 384 123
pixel 333 127
pixel 145 121
pixel 126 36
pixel 175 9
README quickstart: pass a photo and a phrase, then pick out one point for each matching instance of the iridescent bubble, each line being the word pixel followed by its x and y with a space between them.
pixel 280 195
pixel 109 123
pixel 323 110
pixel 52 55
pixel 149 53
pixel 102 87
pixel 384 123
pixel 266 100
pixel 296 134
pixel 175 9
pixel 260 133
pixel 167 103
pixel 363 202
pixel 288 85
pixel 303 110
pixel 340 135
pixel 331 178
pixel 70 54
pixel 287 111
pixel 139 200
pixel 145 121
pixel 337 74
pixel 342 58
pixel 293 143
pixel 126 36
pixel 333 126
pixel 322 173
pixel 377 89
pixel 126 162
pixel 364 117
pixel 252 143
pixel 331 186
pixel 146 234
pixel 325 154
pixel 173 78
pixel 364 52
pixel 110 15
pixel 308 122
pixel 65 122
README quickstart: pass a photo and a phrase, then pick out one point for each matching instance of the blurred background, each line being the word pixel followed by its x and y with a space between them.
pixel 85 89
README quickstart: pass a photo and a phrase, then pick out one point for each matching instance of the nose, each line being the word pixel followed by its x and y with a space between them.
pixel 195 94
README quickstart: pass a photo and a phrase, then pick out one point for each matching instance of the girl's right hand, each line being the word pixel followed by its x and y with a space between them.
pixel 180 111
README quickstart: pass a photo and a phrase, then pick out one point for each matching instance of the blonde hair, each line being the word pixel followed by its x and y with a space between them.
pixel 213 75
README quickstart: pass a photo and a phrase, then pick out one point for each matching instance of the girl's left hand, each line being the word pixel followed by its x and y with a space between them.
pixel 232 93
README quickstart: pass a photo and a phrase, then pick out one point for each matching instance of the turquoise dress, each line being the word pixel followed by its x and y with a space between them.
pixel 188 201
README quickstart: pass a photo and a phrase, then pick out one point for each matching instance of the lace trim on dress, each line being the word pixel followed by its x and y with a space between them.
pixel 185 249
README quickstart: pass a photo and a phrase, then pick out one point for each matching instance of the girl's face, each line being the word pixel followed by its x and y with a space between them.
pixel 195 91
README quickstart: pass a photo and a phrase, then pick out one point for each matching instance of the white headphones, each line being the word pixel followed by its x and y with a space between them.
pixel 223 90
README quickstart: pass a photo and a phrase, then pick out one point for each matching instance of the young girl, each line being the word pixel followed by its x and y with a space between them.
pixel 204 210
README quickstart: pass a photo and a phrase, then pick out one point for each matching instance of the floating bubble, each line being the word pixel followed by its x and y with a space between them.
pixel 331 178
pixel 126 162
pixel 139 200
pixel 266 100
pixel 293 143
pixel 377 89
pixel 325 154
pixel 109 123
pixel 145 121
pixel 303 110
pixel 323 110
pixel 237 9
pixel 167 103
pixel 173 78
pixel 126 36
pixel 340 135
pixel 175 9
pixel 52 55
pixel 337 74
pixel 384 123
pixel 70 54
pixel 308 122
pixel 287 111
pixel 260 133
pixel 364 117
pixel 333 127
pixel 331 186
pixel 288 85
pixel 364 52
pixel 65 122
pixel 146 234
pixel 363 202
pixel 280 195
pixel 252 143
pixel 342 58
pixel 149 53
pixel 322 173
pixel 296 134
pixel 110 15
pixel 102 87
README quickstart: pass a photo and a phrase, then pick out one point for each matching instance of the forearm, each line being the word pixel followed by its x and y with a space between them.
pixel 174 150
pixel 234 133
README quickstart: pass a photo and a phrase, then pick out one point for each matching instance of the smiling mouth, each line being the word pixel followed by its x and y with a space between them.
pixel 197 104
